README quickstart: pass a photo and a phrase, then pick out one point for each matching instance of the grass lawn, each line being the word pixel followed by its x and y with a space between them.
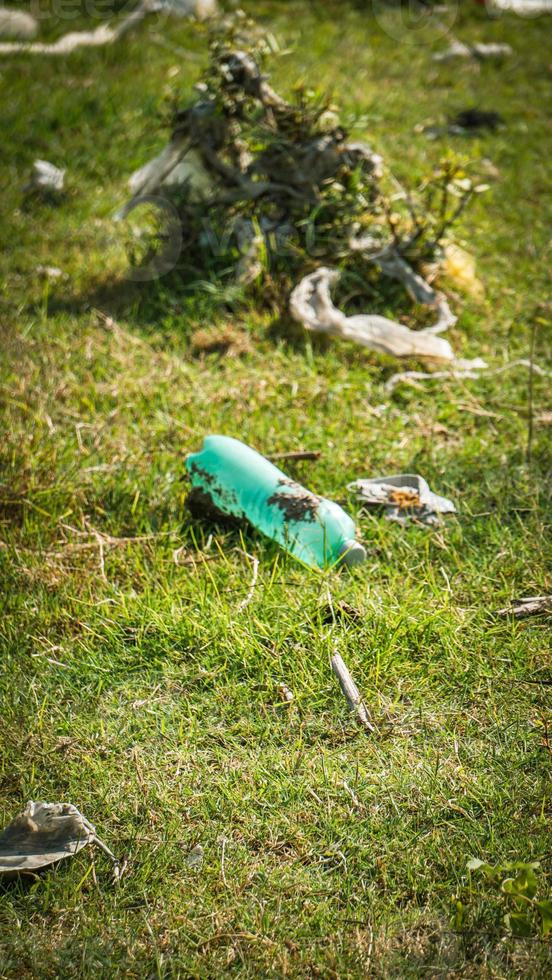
pixel 131 683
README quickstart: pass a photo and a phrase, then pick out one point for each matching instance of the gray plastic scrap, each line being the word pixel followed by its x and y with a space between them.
pixel 41 834
pixel 405 497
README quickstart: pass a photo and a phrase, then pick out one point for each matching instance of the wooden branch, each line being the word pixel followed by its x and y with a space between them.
pixel 350 692
pixel 537 605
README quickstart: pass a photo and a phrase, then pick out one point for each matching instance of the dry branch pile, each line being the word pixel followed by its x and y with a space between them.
pixel 273 188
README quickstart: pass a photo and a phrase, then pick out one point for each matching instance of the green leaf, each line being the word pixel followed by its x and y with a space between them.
pixel 518 923
pixel 524 884
pixel 545 909
pixel 475 864
pixel 520 865
pixel 458 915
pixel 509 886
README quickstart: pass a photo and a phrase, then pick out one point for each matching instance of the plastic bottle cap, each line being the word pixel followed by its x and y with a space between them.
pixel 352 553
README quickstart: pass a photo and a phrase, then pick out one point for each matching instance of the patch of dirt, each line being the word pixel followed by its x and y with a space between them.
pixel 226 340
pixel 342 611
pixel 300 506
pixel 201 503
pixel 203 474
pixel 201 506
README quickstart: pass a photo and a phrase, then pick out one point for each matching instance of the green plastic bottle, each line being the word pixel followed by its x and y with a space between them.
pixel 240 482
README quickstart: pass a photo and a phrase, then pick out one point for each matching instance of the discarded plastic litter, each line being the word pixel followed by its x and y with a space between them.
pixel 44 833
pixel 404 497
pixel 190 8
pixel 46 177
pixel 104 34
pixel 16 23
pixel 231 478
pixel 311 304
pixel 195 858
pixel 478 51
pixel 524 8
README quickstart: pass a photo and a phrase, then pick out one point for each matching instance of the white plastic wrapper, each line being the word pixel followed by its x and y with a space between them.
pixel 405 498
pixel 311 304
pixel 104 34
pixel 45 176
pixel 458 49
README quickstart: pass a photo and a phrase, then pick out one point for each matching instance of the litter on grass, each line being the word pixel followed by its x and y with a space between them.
pixel 230 478
pixel 16 23
pixel 74 40
pixel 46 177
pixel 405 498
pixel 44 833
pixel 190 8
pixel 104 34
pixel 524 8
pixel 477 51
pixel 265 182
pixel 311 304
pixel 195 858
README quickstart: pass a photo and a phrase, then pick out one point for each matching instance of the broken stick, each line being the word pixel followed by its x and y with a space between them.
pixel 536 605
pixel 351 692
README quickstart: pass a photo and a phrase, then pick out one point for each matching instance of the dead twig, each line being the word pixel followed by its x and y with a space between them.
pixel 537 605
pixel 222 862
pixel 352 794
pixel 350 692
pixel 546 736
pixel 99 540
pixel 117 869
pixel 529 449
